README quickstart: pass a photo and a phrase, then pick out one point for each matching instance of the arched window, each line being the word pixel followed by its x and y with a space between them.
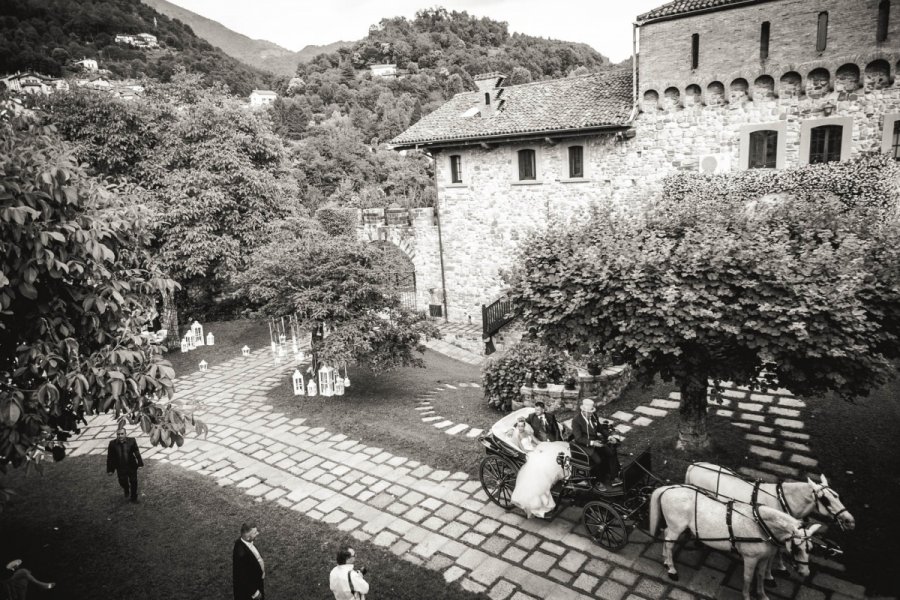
pixel 527 165
pixel 764 41
pixel 695 50
pixel 822 32
pixel 884 18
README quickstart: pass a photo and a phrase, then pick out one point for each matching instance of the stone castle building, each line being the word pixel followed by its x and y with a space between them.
pixel 718 86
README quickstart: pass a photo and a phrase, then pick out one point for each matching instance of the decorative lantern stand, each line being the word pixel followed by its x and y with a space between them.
pixel 184 345
pixel 311 389
pixel 298 383
pixel 204 366
pixel 245 350
pixel 197 331
pixel 210 339
pixel 326 380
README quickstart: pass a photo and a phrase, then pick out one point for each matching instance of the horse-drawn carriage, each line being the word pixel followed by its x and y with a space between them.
pixel 754 519
pixel 607 515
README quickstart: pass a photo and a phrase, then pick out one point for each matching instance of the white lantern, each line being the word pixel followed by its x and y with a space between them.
pixel 339 387
pixel 298 382
pixel 311 387
pixel 184 345
pixel 204 366
pixel 281 338
pixel 210 339
pixel 326 380
pixel 294 345
pixel 190 342
pixel 197 331
pixel 245 350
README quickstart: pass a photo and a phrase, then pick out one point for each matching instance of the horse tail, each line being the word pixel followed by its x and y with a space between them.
pixel 655 509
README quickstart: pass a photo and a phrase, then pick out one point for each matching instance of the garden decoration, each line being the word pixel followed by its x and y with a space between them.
pixel 298 383
pixel 299 356
pixel 311 389
pixel 204 366
pixel 197 333
pixel 210 339
pixel 346 378
pixel 192 343
pixel 339 386
pixel 326 380
pixel 184 345
pixel 245 350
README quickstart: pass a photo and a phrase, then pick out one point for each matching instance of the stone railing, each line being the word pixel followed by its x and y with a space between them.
pixel 396 216
pixel 602 388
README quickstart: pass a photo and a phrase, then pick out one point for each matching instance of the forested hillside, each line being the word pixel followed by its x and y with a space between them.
pixel 47 35
pixel 340 111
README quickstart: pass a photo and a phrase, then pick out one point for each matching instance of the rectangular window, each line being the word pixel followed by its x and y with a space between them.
pixel 455 168
pixel 822 33
pixel 825 144
pixel 764 41
pixel 884 17
pixel 695 50
pixel 763 149
pixel 576 162
pixel 895 144
pixel 527 165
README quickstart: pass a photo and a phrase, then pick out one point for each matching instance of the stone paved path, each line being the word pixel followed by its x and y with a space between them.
pixel 433 517
pixel 428 414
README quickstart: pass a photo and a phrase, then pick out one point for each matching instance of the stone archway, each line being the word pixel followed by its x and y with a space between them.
pixel 399 271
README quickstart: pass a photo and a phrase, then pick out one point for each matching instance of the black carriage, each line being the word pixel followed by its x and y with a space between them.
pixel 608 516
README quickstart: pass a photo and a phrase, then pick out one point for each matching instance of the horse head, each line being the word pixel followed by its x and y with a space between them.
pixel 829 503
pixel 799 545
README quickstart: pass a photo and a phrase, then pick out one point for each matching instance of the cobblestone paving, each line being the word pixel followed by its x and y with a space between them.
pixel 440 519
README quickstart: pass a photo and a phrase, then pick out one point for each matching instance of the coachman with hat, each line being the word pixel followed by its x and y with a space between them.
pixel 598 441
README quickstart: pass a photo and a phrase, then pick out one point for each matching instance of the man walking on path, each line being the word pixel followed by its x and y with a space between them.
pixel 248 567
pixel 345 581
pixel 124 458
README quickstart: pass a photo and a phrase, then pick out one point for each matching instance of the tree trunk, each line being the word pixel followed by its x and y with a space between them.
pixel 692 434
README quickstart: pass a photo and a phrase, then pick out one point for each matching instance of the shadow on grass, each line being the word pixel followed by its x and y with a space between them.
pixel 72 526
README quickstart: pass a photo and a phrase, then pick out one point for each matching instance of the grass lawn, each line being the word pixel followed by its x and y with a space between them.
pixel 73 526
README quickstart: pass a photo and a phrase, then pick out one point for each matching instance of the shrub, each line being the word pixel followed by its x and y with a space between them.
pixel 504 375
pixel 337 221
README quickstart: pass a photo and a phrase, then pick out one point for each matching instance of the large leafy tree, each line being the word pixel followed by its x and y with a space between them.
pixel 797 289
pixel 76 287
pixel 338 288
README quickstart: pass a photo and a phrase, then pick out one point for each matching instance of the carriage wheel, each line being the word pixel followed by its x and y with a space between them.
pixel 498 478
pixel 605 525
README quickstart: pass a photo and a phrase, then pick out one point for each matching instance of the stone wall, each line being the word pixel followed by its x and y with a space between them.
pixel 486 218
pixel 603 388
pixel 729 43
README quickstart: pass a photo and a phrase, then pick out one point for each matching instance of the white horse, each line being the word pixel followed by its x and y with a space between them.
pixel 797 498
pixel 755 534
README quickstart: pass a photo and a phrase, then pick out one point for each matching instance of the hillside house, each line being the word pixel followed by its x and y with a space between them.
pixel 138 40
pixel 86 64
pixel 724 85
pixel 33 83
pixel 262 97
pixel 383 70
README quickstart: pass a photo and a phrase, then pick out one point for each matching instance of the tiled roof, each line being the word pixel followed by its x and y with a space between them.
pixel 584 102
pixel 683 7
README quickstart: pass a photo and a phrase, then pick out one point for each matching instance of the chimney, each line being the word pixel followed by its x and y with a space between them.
pixel 487 83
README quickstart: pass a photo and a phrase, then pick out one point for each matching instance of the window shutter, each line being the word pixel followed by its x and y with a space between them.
pixel 822 33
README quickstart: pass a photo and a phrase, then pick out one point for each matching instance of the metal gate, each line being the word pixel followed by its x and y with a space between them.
pixel 403 284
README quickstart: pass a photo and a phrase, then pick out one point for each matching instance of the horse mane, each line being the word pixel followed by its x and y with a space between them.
pixel 782 524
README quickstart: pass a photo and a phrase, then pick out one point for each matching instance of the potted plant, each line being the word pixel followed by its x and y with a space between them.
pixel 570 381
pixel 541 379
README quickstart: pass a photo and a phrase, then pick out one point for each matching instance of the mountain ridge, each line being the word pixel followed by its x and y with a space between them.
pixel 258 53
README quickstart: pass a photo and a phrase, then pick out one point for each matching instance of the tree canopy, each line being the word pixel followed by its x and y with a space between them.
pixel 338 288
pixel 799 289
pixel 76 287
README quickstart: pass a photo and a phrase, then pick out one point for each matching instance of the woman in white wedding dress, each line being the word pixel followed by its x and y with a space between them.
pixel 540 471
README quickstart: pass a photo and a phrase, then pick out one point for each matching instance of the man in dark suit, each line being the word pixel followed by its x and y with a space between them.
pixel 594 438
pixel 124 458
pixel 248 567
pixel 543 424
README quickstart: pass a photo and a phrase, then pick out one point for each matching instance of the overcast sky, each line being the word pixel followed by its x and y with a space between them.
pixel 604 24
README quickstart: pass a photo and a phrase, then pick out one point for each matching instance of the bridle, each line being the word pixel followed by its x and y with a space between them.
pixel 824 502
pixel 805 543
